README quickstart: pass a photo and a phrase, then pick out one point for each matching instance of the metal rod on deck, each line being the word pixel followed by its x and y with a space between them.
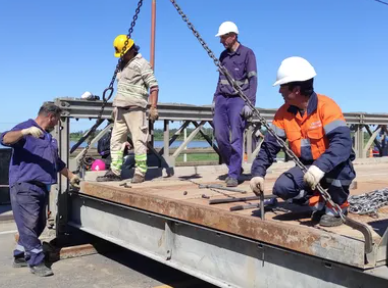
pixel 230 200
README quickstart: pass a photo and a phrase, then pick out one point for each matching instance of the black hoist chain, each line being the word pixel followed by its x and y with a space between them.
pixel 107 94
pixel 325 195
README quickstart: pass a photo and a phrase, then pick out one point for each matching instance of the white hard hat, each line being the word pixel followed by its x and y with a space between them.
pixel 227 27
pixel 294 69
pixel 87 95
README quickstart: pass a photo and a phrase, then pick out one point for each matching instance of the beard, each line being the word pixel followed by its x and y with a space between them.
pixel 50 129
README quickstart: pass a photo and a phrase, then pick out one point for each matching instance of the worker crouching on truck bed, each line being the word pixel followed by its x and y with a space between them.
pixel 33 169
pixel 317 133
pixel 135 78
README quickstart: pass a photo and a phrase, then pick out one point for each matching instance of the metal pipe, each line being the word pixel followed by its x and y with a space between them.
pixel 153 28
pixel 230 200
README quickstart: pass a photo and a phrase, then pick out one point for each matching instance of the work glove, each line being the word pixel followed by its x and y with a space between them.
pixel 213 107
pixel 313 176
pixel 33 131
pixel 125 145
pixel 257 185
pixel 246 112
pixel 75 181
pixel 154 115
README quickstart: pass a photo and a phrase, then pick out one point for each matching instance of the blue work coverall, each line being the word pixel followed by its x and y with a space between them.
pixel 241 64
pixel 33 169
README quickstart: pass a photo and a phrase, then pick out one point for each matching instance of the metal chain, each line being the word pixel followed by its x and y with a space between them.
pixel 325 195
pixel 238 89
pixel 368 203
pixel 109 90
pixel 195 32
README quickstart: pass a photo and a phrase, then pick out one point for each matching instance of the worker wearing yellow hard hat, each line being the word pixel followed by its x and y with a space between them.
pixel 136 89
pixel 119 44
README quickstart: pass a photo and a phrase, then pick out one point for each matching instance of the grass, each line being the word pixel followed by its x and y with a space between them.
pixel 209 157
pixel 199 157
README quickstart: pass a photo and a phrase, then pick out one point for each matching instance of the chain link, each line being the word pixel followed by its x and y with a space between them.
pixel 325 195
pixel 108 92
pixel 368 203
pixel 195 32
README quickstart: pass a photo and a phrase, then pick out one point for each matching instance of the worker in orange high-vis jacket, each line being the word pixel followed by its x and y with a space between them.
pixel 317 133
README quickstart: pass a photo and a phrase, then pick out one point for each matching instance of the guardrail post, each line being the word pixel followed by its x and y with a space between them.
pixel 63 184
pixel 359 141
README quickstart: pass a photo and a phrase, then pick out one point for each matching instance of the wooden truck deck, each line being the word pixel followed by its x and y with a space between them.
pixel 181 199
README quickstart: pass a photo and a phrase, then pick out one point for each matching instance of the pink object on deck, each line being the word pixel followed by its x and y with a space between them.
pixel 98 165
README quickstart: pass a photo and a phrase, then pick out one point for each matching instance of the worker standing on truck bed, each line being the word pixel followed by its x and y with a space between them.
pixel 230 111
pixel 33 169
pixel 317 133
pixel 135 78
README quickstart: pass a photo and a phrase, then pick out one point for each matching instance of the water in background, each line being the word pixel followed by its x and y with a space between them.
pixel 159 144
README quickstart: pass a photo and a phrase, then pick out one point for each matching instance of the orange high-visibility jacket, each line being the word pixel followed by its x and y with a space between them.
pixel 319 137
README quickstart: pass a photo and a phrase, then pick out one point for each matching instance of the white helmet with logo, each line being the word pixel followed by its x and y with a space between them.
pixel 294 69
pixel 227 27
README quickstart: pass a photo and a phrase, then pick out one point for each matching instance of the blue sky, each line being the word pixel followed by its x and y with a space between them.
pixel 62 48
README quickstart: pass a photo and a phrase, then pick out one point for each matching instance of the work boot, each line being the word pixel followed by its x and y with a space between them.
pixel 109 177
pixel 137 178
pixel 19 262
pixel 331 217
pixel 41 270
pixel 317 215
pixel 330 221
pixel 231 182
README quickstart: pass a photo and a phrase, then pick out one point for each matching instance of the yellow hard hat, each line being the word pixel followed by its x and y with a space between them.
pixel 118 44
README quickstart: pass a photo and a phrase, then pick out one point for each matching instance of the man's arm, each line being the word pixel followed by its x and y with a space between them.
pixel 338 135
pixel 154 94
pixel 268 151
pixel 74 179
pixel 270 147
pixel 67 173
pixel 252 76
pixel 15 135
pixel 12 137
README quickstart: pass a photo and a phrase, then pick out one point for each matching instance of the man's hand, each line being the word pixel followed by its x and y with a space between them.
pixel 33 131
pixel 154 115
pixel 257 185
pixel 125 145
pixel 313 176
pixel 75 180
pixel 246 112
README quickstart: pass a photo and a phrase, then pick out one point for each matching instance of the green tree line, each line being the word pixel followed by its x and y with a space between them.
pixel 158 134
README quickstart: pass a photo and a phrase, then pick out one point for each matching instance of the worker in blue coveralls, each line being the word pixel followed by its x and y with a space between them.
pixel 230 111
pixel 33 169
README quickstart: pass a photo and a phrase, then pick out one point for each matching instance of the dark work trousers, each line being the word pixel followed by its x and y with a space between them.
pixel 29 203
pixel 227 119
pixel 290 184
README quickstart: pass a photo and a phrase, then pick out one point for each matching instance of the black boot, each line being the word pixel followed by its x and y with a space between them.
pixel 41 270
pixel 137 178
pixel 330 221
pixel 109 177
pixel 19 262
pixel 231 182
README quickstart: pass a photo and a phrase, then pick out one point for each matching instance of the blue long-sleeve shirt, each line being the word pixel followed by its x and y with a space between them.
pixel 34 159
pixel 241 64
